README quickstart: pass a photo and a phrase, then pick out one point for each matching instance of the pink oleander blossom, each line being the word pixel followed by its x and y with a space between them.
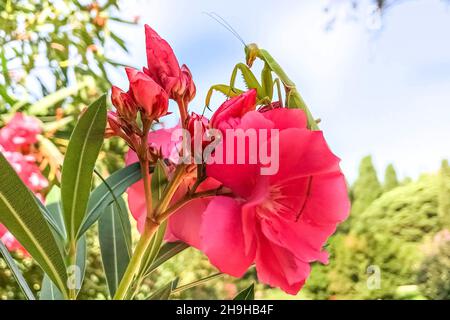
pixel 20 132
pixel 280 222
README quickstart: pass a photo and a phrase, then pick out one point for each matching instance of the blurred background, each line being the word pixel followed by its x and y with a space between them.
pixel 377 72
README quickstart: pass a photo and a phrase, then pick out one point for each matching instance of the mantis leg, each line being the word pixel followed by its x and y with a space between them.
pixel 223 88
pixel 277 82
pixel 251 82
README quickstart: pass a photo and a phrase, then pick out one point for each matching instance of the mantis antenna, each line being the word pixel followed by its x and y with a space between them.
pixel 225 24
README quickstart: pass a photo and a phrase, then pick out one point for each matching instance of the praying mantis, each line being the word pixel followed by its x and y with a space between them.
pixel 265 89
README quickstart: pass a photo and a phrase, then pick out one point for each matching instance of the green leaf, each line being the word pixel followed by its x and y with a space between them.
pixel 48 289
pixel 16 272
pixel 246 294
pixel 153 249
pixel 167 251
pixel 114 231
pixel 82 152
pixel 164 292
pixel 198 282
pixel 53 201
pixel 42 106
pixel 21 215
pixel 102 196
pixel 159 182
pixel 49 218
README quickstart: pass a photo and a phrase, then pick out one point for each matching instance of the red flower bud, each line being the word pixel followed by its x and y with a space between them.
pixel 163 68
pixel 124 103
pixel 151 99
pixel 189 86
pixel 233 109
pixel 197 127
pixel 113 127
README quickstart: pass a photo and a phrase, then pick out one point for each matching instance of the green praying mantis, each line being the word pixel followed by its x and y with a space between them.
pixel 265 89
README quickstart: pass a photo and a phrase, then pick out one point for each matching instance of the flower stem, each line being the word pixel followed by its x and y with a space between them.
pixel 151 226
pixel 183 112
pixel 135 263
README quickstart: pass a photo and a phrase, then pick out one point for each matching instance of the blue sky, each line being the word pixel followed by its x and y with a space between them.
pixel 384 92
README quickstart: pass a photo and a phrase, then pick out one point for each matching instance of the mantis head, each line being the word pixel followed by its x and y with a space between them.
pixel 251 52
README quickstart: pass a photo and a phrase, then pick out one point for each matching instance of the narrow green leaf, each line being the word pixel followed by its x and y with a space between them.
pixel 42 106
pixel 164 292
pixel 114 230
pixel 82 152
pixel 154 247
pixel 198 282
pixel 49 218
pixel 16 272
pixel 101 197
pixel 246 294
pixel 48 289
pixel 54 210
pixel 167 251
pixel 159 182
pixel 20 214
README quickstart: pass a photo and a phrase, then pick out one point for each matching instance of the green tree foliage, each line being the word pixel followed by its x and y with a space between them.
pixel 366 188
pixel 390 179
pixel 363 192
pixel 444 194
pixel 48 45
pixel 434 272
pixel 387 235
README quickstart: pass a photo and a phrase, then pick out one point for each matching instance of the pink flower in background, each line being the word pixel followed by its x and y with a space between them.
pixel 16 139
pixel 20 132
pixel 10 242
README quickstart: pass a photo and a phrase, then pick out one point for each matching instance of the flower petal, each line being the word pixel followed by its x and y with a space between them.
pixel 222 238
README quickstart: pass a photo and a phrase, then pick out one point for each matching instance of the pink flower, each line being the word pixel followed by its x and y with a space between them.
pixel 10 242
pixel 163 67
pixel 279 222
pixel 20 132
pixel 233 109
pixel 149 96
pixel 28 171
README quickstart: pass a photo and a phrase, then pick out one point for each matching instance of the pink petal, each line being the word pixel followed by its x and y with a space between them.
pixel 222 238
pixel 278 267
pixel 304 153
pixel 328 199
pixel 284 118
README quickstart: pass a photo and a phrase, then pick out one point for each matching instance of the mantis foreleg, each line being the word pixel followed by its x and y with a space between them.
pixel 223 88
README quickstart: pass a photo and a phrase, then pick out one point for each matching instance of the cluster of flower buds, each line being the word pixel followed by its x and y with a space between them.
pixel 149 93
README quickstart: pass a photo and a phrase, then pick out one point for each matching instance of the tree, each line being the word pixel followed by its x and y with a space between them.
pixel 47 46
pixel 444 194
pixel 390 178
pixel 366 188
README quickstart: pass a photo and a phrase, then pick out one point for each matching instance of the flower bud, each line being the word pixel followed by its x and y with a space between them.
pixel 124 103
pixel 151 99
